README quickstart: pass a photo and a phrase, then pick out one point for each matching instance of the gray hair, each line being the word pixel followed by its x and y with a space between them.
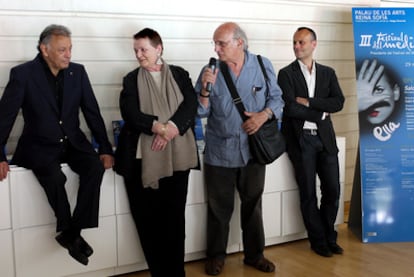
pixel 52 30
pixel 239 33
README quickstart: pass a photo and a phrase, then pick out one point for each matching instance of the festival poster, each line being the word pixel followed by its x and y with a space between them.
pixel 384 57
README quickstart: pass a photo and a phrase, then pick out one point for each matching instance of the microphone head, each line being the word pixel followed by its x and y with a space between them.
pixel 212 62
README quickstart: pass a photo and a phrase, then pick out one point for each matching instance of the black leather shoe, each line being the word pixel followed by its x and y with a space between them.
pixel 322 250
pixel 85 247
pixel 63 240
pixel 214 266
pixel 336 249
pixel 262 264
pixel 74 248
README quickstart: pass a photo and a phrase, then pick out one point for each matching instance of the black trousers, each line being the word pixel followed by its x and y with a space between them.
pixel 90 170
pixel 221 184
pixel 159 215
pixel 319 221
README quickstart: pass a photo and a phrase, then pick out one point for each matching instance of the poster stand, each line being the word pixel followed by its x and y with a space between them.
pixel 355 209
pixel 382 200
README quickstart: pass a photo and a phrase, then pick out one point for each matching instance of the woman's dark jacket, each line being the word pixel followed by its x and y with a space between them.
pixel 137 122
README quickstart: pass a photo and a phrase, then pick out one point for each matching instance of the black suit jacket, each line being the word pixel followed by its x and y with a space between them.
pixel 137 122
pixel 328 98
pixel 45 127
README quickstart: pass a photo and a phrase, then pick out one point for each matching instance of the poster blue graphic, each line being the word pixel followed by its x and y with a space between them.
pixel 384 56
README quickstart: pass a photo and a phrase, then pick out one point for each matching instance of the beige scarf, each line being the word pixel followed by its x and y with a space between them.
pixel 181 152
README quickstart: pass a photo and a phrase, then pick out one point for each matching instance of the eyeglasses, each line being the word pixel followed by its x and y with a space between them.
pixel 222 44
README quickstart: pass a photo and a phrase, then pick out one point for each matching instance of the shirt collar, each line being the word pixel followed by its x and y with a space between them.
pixel 304 67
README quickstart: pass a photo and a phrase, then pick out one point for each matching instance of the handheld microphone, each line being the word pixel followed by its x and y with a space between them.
pixel 212 66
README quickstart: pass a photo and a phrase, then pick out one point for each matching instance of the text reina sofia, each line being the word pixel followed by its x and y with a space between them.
pixel 374 14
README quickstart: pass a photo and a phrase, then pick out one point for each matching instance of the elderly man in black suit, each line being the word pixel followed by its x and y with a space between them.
pixel 50 90
pixel 311 93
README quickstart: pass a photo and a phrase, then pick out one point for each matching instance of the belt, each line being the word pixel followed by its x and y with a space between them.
pixel 310 132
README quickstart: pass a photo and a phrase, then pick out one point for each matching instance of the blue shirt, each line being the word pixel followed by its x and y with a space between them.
pixel 226 142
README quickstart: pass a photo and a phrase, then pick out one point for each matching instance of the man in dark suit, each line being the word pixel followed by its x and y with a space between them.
pixel 311 93
pixel 50 90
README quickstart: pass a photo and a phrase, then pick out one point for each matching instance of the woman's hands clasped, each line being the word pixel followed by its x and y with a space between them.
pixel 164 133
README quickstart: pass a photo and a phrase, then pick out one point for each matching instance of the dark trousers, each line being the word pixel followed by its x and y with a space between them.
pixel 159 215
pixel 221 184
pixel 52 179
pixel 319 221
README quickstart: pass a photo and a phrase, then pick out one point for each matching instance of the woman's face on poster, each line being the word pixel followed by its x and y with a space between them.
pixel 384 96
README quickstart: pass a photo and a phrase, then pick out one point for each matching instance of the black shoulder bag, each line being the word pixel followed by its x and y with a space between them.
pixel 268 143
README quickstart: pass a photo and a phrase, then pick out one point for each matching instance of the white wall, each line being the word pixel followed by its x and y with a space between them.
pixel 102 31
pixel 397 3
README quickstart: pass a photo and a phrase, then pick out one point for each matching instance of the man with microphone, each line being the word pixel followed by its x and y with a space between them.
pixel 228 163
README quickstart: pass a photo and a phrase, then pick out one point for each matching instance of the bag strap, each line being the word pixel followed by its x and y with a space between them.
pixel 259 58
pixel 233 91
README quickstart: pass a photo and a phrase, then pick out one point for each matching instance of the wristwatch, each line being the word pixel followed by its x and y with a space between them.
pixel 269 113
